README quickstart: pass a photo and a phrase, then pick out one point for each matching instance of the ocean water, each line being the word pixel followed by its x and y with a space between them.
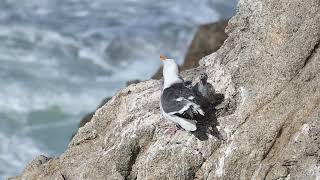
pixel 60 58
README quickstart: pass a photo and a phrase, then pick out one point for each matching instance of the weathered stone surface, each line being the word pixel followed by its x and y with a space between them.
pixel 269 71
pixel 207 40
pixel 87 118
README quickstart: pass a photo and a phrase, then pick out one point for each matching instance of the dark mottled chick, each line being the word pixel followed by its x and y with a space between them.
pixel 204 88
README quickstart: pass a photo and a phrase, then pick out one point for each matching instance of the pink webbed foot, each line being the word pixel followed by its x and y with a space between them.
pixel 172 130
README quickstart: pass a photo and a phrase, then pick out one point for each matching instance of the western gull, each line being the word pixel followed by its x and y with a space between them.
pixel 178 103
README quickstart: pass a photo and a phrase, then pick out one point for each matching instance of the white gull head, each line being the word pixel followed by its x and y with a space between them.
pixel 170 72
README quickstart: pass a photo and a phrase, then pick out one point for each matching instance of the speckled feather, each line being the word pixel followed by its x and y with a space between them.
pixel 176 97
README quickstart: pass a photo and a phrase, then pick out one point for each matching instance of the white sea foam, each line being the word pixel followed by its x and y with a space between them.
pixel 15 152
pixel 28 100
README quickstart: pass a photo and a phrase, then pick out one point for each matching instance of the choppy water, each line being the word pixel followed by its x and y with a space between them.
pixel 59 58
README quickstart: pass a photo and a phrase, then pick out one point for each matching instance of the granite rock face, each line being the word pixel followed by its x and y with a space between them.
pixel 88 116
pixel 269 72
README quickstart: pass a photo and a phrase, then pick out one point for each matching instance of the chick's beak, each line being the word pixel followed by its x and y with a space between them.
pixel 162 57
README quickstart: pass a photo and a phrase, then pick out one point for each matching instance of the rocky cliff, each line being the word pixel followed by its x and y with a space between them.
pixel 269 71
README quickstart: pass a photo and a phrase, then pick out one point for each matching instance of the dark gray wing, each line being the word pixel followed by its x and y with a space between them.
pixel 170 98
pixel 188 84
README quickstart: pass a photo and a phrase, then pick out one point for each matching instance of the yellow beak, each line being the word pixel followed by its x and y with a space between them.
pixel 162 57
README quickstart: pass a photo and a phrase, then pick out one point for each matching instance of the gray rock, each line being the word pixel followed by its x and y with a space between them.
pixel 135 81
pixel 37 162
pixel 87 118
pixel 269 71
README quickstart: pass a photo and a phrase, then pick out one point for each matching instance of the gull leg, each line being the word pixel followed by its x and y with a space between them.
pixel 172 130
